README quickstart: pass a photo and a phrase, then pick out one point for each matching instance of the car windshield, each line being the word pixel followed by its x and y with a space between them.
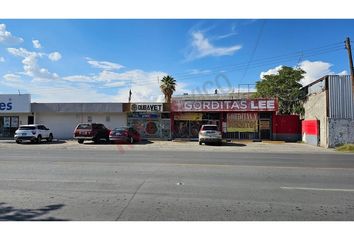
pixel 215 128
pixel 27 128
pixel 84 126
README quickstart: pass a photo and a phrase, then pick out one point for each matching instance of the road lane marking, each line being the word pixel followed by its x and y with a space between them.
pixel 256 166
pixel 318 189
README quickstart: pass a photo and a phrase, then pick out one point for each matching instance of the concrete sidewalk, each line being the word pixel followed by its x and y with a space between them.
pixel 183 146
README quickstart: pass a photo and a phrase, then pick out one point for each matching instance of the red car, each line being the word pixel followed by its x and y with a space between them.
pixel 91 131
pixel 124 134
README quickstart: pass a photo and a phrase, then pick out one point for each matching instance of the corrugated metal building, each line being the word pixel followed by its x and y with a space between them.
pixel 330 101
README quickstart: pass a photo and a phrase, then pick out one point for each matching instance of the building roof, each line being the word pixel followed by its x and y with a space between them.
pixel 77 107
pixel 227 96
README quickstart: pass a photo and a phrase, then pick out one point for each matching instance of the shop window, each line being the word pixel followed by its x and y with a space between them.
pixel 265 115
pixel 211 116
pixel 165 115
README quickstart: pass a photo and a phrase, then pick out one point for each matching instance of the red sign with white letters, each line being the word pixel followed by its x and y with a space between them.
pixel 240 105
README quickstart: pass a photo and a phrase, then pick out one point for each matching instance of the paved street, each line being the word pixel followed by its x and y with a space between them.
pixel 174 181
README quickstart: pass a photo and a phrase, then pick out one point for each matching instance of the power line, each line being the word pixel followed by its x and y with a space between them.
pixel 296 53
pixel 261 64
pixel 254 49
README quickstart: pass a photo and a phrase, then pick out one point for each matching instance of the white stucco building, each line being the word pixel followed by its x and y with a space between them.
pixel 61 118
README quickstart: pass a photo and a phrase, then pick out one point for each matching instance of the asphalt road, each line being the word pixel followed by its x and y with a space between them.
pixel 93 182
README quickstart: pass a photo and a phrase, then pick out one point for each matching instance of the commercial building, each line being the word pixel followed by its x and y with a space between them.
pixel 151 120
pixel 14 110
pixel 238 118
pixel 329 111
pixel 62 118
pixel 237 115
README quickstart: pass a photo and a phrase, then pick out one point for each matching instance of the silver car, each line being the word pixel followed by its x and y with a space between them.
pixel 210 134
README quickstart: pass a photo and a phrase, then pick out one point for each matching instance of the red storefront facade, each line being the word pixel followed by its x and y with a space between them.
pixel 238 119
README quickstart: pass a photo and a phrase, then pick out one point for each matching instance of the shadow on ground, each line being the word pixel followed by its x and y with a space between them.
pixel 8 213
pixel 142 142
pixel 227 144
pixel 230 144
pixel 45 142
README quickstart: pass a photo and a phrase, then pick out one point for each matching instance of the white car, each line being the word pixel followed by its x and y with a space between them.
pixel 33 133
pixel 210 134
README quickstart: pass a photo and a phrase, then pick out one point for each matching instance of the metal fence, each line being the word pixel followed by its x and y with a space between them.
pixel 340 97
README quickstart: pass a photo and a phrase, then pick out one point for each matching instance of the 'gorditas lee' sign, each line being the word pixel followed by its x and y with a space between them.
pixel 245 105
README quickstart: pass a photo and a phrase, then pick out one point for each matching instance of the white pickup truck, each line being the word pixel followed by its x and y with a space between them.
pixel 33 133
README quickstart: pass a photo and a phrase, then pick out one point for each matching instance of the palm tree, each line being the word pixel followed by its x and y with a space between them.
pixel 168 86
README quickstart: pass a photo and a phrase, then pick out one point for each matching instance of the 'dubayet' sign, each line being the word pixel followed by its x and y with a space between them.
pixel 246 105
pixel 146 107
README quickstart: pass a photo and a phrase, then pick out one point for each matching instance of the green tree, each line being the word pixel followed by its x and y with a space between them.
pixel 168 86
pixel 284 85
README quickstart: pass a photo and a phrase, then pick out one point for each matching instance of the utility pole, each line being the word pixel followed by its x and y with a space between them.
pixel 349 49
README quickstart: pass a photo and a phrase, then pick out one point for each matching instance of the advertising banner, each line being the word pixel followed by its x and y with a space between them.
pixel 242 122
pixel 264 124
pixel 7 122
pixel 246 105
pixel 189 117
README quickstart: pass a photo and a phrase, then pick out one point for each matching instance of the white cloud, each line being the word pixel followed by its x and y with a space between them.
pixel 104 65
pixel 344 72
pixel 36 44
pixel 79 78
pixel 107 75
pixel 198 71
pixel 2 59
pixel 11 77
pixel 7 38
pixel 271 71
pixel 201 47
pixel 54 56
pixel 50 87
pixel 144 85
pixel 30 65
pixel 314 70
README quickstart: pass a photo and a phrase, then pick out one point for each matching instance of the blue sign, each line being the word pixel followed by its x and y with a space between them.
pixel 5 106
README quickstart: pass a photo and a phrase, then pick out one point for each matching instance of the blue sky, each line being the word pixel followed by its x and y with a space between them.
pixel 100 60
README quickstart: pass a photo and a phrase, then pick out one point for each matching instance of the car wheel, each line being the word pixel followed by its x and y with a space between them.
pixel 200 143
pixel 95 140
pixel 80 141
pixel 39 139
pixel 18 141
pixel 50 138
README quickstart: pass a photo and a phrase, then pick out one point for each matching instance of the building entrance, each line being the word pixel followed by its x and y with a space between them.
pixel 8 126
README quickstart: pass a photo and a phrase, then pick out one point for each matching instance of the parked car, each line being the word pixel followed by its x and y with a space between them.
pixel 91 131
pixel 124 134
pixel 33 133
pixel 210 134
